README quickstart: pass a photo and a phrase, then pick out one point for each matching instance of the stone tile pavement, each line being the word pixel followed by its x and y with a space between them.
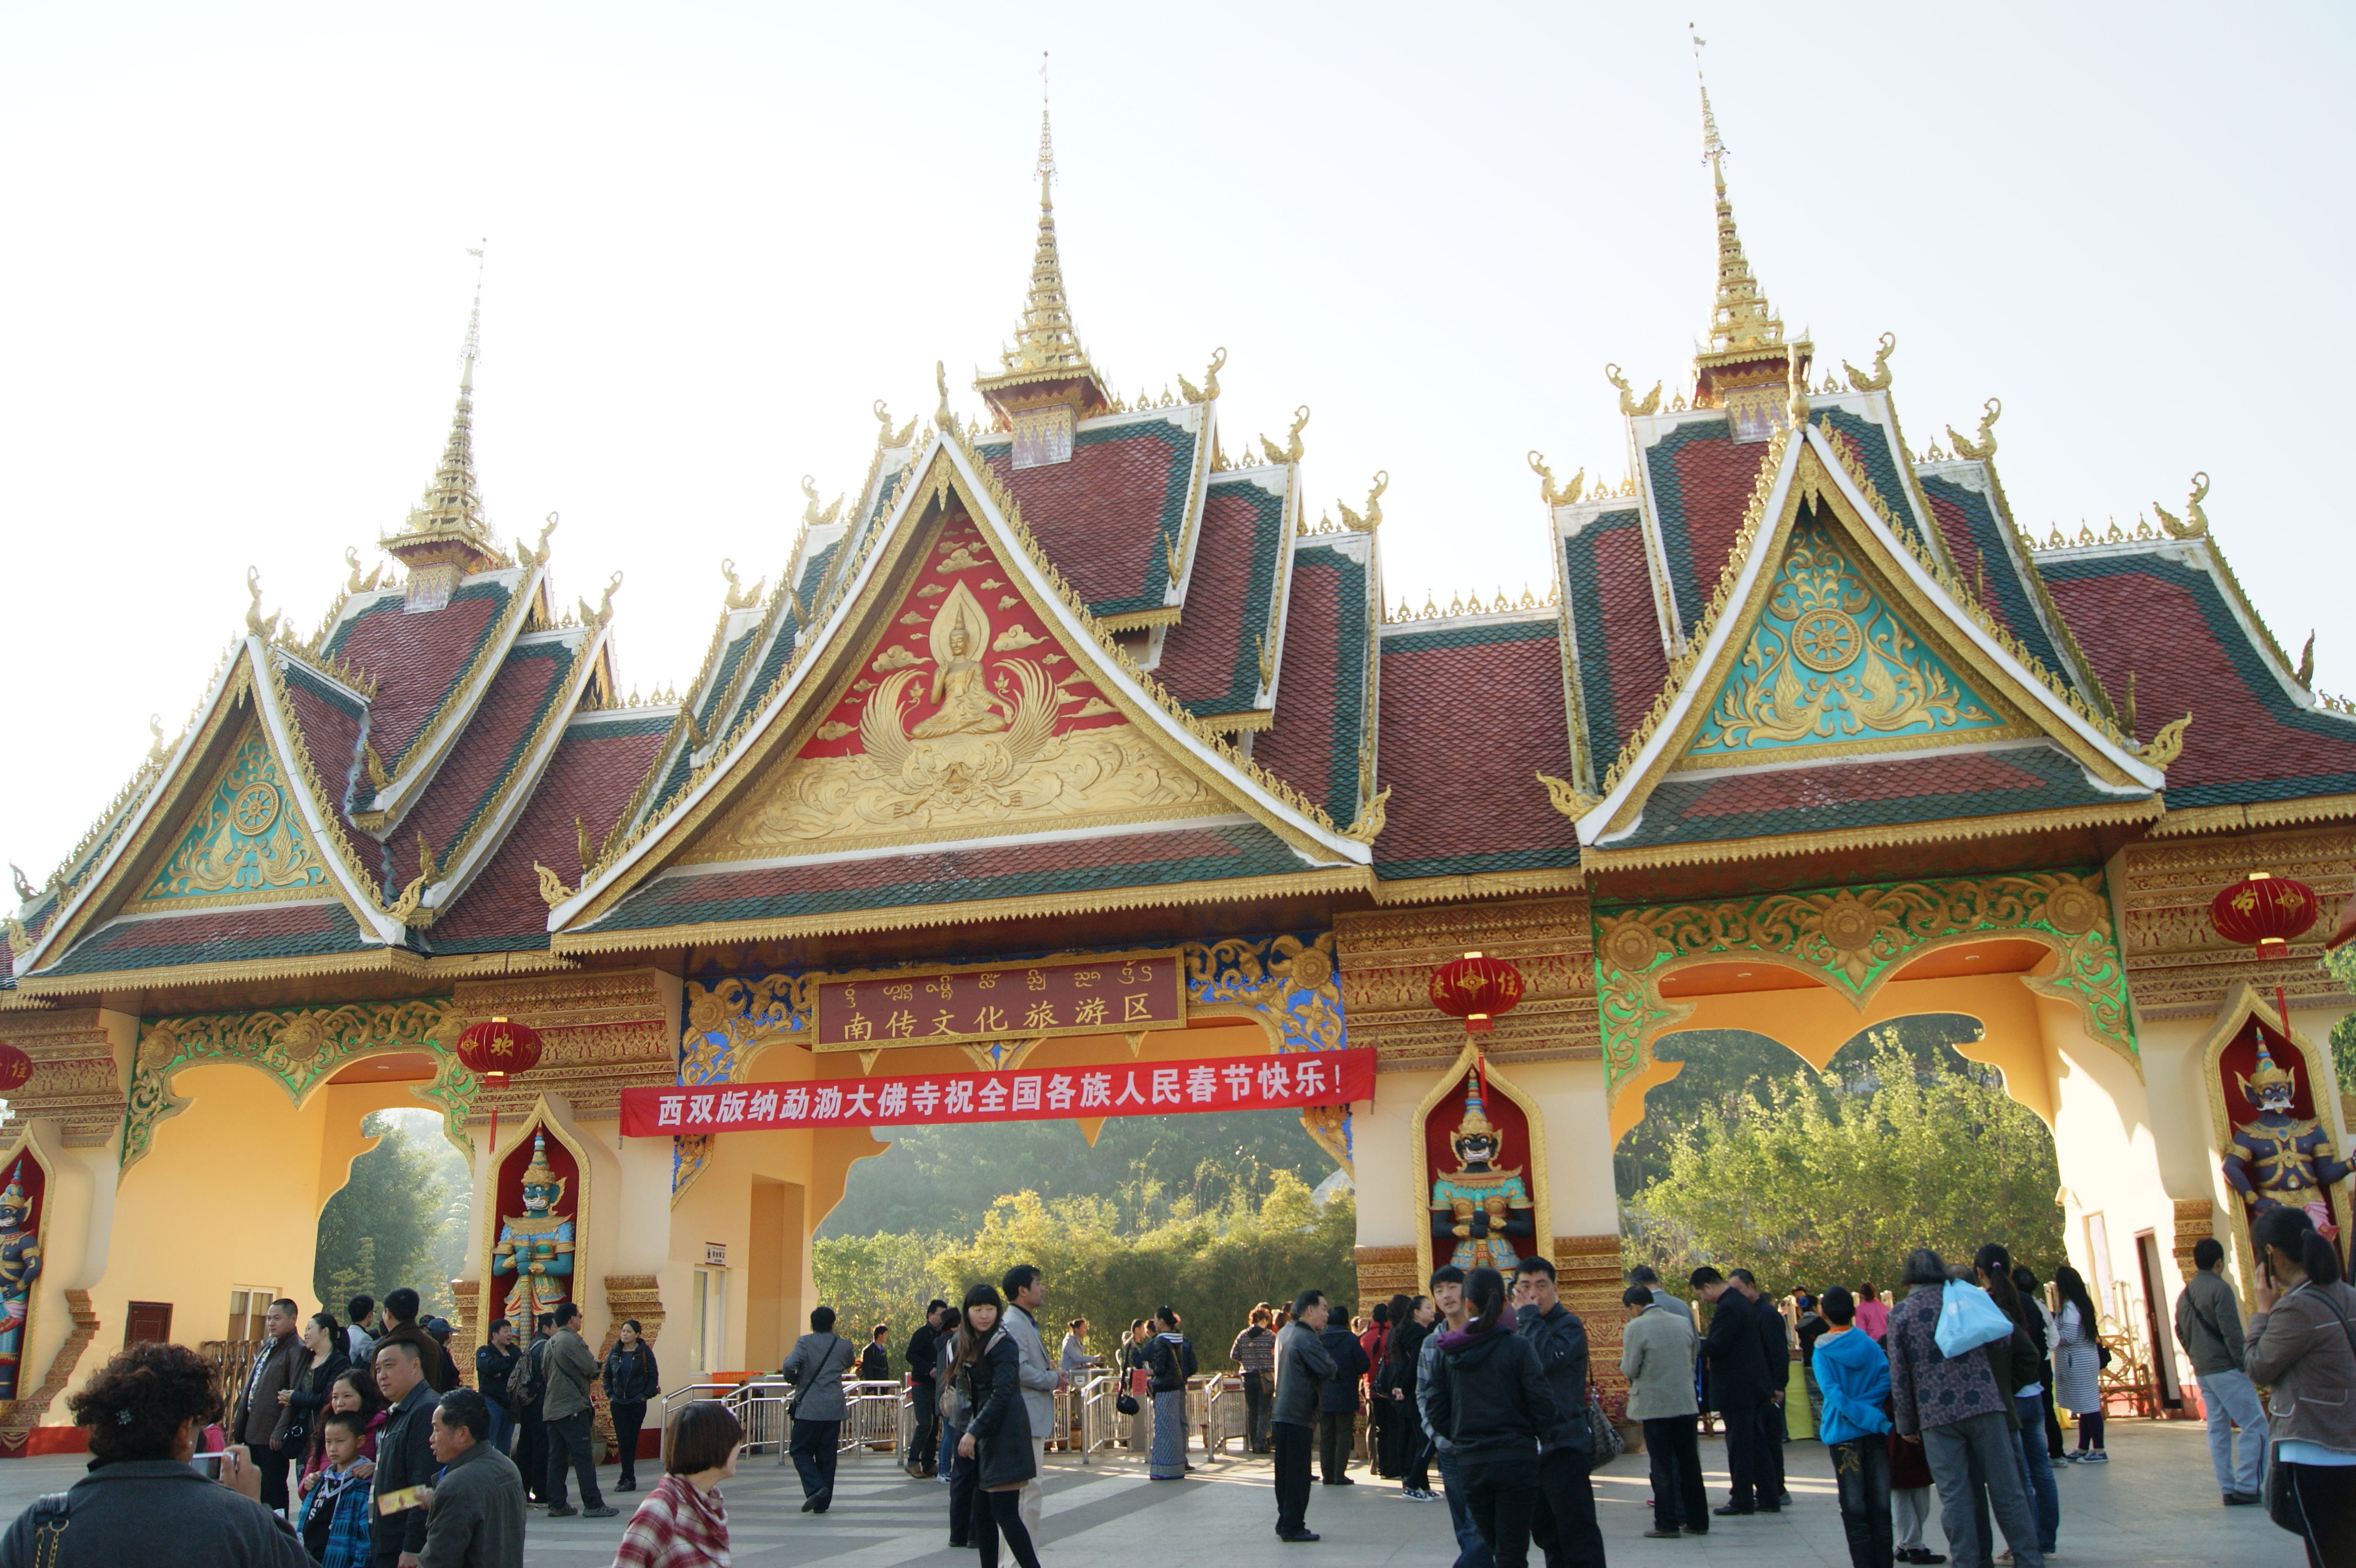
pixel 2155 1503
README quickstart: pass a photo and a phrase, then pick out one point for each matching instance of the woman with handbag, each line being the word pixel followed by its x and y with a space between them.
pixel 307 1396
pixel 1137 1373
pixel 1169 1362
pixel 2078 1356
pixel 2302 1342
pixel 997 1440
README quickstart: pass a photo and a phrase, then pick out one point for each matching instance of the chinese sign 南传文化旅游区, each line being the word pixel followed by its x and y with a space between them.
pixel 1099 993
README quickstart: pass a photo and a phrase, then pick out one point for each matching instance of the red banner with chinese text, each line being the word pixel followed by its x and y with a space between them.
pixel 1024 1094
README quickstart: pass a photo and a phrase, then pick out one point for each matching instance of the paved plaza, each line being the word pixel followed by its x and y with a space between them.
pixel 2155 1503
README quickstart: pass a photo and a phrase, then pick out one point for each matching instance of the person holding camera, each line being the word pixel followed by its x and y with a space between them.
pixel 142 1410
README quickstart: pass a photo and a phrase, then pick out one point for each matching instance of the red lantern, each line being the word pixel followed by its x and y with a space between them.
pixel 494 1050
pixel 15 1067
pixel 1476 988
pixel 2264 912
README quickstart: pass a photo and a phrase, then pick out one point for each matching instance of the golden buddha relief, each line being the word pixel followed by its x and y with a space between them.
pixel 960 726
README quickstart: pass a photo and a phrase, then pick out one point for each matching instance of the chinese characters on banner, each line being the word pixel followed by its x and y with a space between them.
pixel 1123 994
pixel 1144 1088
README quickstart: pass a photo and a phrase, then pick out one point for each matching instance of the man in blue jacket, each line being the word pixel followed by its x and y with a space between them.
pixel 1854 1377
pixel 1337 1401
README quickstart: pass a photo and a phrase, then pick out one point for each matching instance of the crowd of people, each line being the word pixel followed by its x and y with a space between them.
pixel 356 1443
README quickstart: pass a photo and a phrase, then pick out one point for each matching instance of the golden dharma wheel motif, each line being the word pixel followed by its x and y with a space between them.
pixel 1311 968
pixel 1827 640
pixel 1850 924
pixel 255 808
pixel 2074 911
pixel 1631 946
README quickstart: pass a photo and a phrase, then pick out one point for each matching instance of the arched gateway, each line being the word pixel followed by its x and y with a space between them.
pixel 1070 770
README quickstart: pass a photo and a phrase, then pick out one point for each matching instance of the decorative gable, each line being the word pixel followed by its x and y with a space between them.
pixel 965 717
pixel 1830 665
pixel 244 844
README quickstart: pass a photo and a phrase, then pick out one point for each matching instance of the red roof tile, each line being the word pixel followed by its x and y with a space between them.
pixel 1210 660
pixel 1470 716
pixel 1320 719
pixel 1102 517
pixel 595 772
pixel 483 755
pixel 2170 627
pixel 416 658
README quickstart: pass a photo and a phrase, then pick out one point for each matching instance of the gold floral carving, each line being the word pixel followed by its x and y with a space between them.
pixel 2178 966
pixel 1854 940
pixel 986 781
pixel 75 1080
pixel 1387 959
pixel 301 1047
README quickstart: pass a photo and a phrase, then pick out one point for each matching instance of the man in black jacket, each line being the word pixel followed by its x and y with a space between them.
pixel 1775 1357
pixel 924 1402
pixel 1338 1404
pixel 1738 1382
pixel 1564 1526
pixel 1301 1368
pixel 404 1453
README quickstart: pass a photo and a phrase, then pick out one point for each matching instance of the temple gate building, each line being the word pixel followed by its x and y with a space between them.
pixel 1807 733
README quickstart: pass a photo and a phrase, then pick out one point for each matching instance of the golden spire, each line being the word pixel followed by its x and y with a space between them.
pixel 1742 318
pixel 447 526
pixel 1746 349
pixel 1046 363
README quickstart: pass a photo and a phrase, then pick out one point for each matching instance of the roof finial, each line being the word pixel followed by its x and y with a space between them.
pixel 1745 362
pixel 447 525
pixel 474 349
pixel 1047 170
pixel 1741 317
pixel 1046 363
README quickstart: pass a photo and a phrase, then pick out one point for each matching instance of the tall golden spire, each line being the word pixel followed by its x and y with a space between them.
pixel 1747 351
pixel 446 536
pixel 1046 369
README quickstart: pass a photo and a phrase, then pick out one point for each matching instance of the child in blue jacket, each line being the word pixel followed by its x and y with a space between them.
pixel 1853 1375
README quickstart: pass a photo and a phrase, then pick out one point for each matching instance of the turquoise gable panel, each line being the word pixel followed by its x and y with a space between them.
pixel 1831 662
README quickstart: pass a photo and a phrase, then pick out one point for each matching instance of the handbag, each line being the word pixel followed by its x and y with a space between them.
pixel 1604 1442
pixel 1968 1319
pixel 2282 1505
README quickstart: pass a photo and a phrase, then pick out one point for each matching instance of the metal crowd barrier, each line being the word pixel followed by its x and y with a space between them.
pixel 878 1418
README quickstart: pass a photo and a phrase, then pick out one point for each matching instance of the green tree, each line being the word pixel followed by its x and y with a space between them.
pixel 402 1220
pixel 1111 1257
pixel 1831 1179
pixel 2342 966
pixel 946 1179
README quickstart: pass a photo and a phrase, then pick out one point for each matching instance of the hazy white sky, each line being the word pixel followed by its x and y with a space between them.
pixel 236 277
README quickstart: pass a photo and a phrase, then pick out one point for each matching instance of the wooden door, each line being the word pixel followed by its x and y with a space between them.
pixel 146 1320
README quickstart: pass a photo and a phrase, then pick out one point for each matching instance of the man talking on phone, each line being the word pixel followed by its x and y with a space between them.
pixel 405 1454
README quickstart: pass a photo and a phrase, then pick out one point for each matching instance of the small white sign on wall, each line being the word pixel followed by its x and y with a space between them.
pixel 715 1254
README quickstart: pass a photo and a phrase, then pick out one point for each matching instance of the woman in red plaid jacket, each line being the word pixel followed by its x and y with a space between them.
pixel 683 1522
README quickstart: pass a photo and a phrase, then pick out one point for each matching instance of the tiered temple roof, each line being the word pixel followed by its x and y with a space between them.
pixel 1083 660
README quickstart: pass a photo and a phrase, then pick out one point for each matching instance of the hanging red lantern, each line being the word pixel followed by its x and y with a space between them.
pixel 15 1067
pixel 494 1050
pixel 1476 988
pixel 2264 912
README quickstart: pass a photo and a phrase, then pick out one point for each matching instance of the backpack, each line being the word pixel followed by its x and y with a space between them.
pixel 530 1379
